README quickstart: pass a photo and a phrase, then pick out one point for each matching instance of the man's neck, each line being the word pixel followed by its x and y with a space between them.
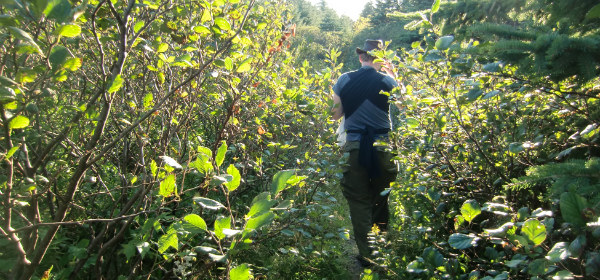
pixel 371 64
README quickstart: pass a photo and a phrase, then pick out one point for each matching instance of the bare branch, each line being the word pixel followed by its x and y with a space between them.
pixel 79 223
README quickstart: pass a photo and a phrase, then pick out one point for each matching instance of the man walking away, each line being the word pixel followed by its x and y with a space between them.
pixel 369 170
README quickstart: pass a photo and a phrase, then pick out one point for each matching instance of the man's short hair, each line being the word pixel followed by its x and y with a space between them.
pixel 366 57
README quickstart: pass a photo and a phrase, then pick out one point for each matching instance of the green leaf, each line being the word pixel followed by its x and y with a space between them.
pixel 244 66
pixel 7 95
pixel 220 157
pixel 7 20
pixel 491 94
pixel 168 240
pixel 280 180
pixel 501 231
pixel 196 221
pixel 493 67
pixel 470 209
pixel 537 267
pixel 240 272
pixel 222 23
pixel 218 257
pixel 12 151
pixel 7 82
pixel 433 257
pixel 69 30
pixel 473 94
pixel 59 10
pixel 434 55
pixel 163 47
pixel 206 250
pixel 148 100
pixel 153 168
pixel 436 6
pixel 58 56
pixel 259 207
pixel 413 267
pixel 571 208
pixel 576 247
pixel 171 162
pixel 220 225
pixel 559 252
pixel 72 64
pixel 593 13
pixel 138 26
pixel 534 231
pixel 129 250
pixel 203 161
pixel 208 203
pixel 515 148
pixel 183 61
pixel 259 221
pixel 143 248
pixel 516 261
pixel 167 186
pixel 563 275
pixel 116 84
pixel 444 42
pixel 236 180
pixel 228 63
pixel 519 240
pixel 18 122
pixel 462 241
pixel 219 180
pixel 200 29
pixel 412 122
pixel 22 35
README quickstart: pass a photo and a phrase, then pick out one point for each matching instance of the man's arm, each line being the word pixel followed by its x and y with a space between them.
pixel 337 111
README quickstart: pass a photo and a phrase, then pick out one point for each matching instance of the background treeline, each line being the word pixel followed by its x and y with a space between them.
pixel 191 139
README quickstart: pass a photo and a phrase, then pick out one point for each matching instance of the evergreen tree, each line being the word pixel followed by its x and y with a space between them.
pixel 367 10
pixel 304 13
pixel 330 22
pixel 415 5
pixel 552 39
pixel 382 10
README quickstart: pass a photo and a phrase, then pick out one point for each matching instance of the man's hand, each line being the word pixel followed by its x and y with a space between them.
pixel 388 67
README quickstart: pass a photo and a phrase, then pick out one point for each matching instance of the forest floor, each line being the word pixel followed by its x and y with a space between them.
pixel 353 266
pixel 348 247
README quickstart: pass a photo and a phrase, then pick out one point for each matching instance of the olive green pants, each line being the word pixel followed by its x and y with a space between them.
pixel 367 205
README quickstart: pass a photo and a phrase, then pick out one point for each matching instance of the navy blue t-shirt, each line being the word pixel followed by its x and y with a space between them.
pixel 362 101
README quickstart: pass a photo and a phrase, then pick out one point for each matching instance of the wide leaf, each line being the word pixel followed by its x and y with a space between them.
pixel 259 207
pixel 18 122
pixel 168 240
pixel 196 221
pixel 241 272
pixel 280 180
pixel 470 209
pixel 444 42
pixel 208 203
pixel 220 157
pixel 260 221
pixel 236 179
pixel 559 252
pixel 69 30
pixel 167 186
pixel 462 241
pixel 571 208
pixel 534 231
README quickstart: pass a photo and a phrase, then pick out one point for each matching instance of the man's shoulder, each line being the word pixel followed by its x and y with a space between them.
pixel 346 75
pixel 389 80
pixel 342 81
